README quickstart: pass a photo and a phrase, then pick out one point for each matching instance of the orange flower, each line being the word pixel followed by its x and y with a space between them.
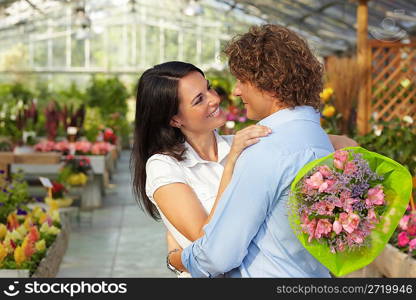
pixel 28 247
pixel 34 234
pixel 12 222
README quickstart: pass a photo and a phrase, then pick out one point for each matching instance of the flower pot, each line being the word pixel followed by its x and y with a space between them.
pixel 60 202
pixel 394 263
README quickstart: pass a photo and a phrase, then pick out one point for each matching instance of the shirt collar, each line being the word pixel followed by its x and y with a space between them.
pixel 192 157
pixel 290 114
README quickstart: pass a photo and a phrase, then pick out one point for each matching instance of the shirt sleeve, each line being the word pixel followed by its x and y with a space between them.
pixel 241 211
pixel 162 170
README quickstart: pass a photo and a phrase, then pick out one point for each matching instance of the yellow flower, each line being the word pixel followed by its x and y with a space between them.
pixel 53 205
pixel 15 236
pixel 44 227
pixel 37 212
pixel 43 218
pixel 3 231
pixel 19 255
pixel 329 111
pixel 326 94
pixel 7 243
pixel 54 214
pixel 28 222
pixel 53 230
pixel 40 246
pixel 3 252
pixel 22 230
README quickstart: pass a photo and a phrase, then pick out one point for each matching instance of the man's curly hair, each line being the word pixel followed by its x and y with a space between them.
pixel 276 60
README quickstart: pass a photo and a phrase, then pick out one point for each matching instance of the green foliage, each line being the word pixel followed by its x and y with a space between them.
pixel 13 194
pixel 331 125
pixel 93 123
pixel 109 95
pixel 395 139
pixel 16 91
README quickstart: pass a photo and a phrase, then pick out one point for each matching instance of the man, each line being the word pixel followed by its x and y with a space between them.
pixel 279 81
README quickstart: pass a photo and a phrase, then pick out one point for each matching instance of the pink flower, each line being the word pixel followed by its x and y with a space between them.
pixel 324 208
pixel 325 171
pixel 309 228
pixel 349 221
pixel 83 146
pixel 404 221
pixel 340 245
pixel 411 227
pixel 371 216
pixel 402 239
pixel 45 146
pixel 62 146
pixel 337 202
pixel 350 168
pixel 345 195
pixel 340 157
pixel 315 180
pixel 375 196
pixel 337 227
pixel 323 228
pixel 356 236
pixel 347 205
pixel 412 245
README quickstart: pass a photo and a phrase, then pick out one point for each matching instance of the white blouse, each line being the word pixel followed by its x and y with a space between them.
pixel 201 175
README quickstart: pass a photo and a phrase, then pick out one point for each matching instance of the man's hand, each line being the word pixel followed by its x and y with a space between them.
pixel 342 141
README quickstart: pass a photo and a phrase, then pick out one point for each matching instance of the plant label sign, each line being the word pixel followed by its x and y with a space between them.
pixel 46 182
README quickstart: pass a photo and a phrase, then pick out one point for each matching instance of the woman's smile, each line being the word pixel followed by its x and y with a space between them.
pixel 215 113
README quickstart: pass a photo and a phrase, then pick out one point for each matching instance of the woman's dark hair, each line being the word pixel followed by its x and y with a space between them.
pixel 156 103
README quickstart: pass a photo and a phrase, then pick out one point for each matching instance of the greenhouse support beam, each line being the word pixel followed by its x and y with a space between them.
pixel 364 65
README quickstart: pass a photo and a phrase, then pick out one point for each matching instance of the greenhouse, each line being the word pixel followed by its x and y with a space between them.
pixel 123 123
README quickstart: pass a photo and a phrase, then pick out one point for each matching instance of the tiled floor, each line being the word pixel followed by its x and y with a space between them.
pixel 120 241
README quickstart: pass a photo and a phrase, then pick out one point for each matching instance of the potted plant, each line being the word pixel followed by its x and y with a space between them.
pixel 57 196
pixel 75 170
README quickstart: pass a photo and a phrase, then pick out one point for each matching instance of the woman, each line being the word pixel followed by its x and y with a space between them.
pixel 181 165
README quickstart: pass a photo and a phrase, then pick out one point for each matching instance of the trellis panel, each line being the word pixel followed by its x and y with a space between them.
pixel 392 80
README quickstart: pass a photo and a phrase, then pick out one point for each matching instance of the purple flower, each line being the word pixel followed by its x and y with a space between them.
pixel 21 212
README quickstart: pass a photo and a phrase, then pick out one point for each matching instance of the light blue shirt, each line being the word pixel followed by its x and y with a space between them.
pixel 249 234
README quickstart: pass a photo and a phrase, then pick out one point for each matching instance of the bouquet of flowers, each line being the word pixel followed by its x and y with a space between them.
pixel 344 207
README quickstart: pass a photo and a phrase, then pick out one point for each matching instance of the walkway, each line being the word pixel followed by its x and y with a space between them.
pixel 120 241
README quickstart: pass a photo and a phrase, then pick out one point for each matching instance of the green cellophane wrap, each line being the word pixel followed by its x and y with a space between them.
pixel 397 185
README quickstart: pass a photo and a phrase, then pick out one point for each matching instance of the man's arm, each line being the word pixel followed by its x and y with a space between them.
pixel 240 213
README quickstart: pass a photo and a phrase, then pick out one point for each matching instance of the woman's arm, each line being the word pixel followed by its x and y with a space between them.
pixel 179 203
pixel 341 141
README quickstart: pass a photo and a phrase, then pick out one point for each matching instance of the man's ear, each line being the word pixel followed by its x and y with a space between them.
pixel 174 122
